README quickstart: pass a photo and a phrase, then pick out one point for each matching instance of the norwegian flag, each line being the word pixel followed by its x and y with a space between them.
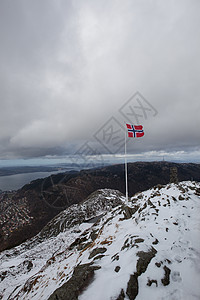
pixel 135 130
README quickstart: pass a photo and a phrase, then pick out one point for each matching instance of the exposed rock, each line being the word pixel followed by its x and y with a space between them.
pixel 139 240
pixel 81 278
pixel 132 241
pixel 173 175
pixel 93 235
pixel 28 264
pixel 121 295
pixel 144 260
pixel 87 211
pixel 30 283
pixel 129 211
pixel 174 198
pixel 3 275
pixel 175 223
pixel 83 246
pixel 115 257
pixel 142 264
pixel 159 186
pixel 99 256
pixel 158 264
pixel 97 251
pixel 77 242
pixel 150 282
pixel 155 242
pixel 117 269
pixel 132 286
pixel 197 192
pixel 168 261
pixel 166 280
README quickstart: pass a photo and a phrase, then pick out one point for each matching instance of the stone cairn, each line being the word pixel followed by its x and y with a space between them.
pixel 173 175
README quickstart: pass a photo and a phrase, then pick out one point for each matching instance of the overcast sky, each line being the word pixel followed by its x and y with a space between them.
pixel 67 67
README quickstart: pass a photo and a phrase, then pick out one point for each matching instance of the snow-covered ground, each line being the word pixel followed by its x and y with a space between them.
pixel 148 248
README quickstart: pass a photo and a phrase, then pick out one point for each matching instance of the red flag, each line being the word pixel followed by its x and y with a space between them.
pixel 135 130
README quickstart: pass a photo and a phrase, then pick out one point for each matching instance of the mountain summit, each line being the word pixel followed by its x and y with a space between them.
pixel 107 248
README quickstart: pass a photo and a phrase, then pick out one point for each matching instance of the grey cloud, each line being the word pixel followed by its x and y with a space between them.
pixel 67 67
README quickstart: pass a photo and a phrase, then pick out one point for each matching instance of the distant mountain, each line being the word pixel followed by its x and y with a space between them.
pixel 107 248
pixel 25 212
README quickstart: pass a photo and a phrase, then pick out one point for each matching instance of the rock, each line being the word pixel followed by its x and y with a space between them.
pixel 142 264
pixel 97 251
pixel 117 269
pixel 144 260
pixel 168 261
pixel 139 240
pixel 158 264
pixel 174 198
pixel 3 275
pixel 150 282
pixel 159 186
pixel 132 287
pixel 78 242
pixel 155 242
pixel 121 295
pixel 129 211
pixel 115 257
pixel 197 192
pixel 126 245
pixel 28 264
pixel 81 278
pixel 99 256
pixel 165 281
pixel 173 175
pixel 93 235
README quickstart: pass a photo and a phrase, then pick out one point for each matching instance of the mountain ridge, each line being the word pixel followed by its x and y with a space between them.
pixel 25 212
pixel 145 248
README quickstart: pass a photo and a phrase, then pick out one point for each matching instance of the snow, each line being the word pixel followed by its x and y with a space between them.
pixel 170 225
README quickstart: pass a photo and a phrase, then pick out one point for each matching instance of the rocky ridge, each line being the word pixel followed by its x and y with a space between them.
pixel 146 248
pixel 43 199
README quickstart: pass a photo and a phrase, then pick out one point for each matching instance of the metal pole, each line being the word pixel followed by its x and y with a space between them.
pixel 126 175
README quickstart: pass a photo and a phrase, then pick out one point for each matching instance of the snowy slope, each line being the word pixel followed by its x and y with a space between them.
pixel 148 248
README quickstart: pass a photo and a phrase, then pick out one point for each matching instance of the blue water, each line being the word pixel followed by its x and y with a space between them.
pixel 15 182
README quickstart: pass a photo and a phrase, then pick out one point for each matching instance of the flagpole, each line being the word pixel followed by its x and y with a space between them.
pixel 126 175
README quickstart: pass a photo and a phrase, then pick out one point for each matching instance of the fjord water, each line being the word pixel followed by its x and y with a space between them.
pixel 16 181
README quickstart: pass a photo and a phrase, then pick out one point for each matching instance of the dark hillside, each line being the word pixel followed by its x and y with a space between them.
pixel 25 212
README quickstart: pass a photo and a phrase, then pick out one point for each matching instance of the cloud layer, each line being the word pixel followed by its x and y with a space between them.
pixel 67 67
